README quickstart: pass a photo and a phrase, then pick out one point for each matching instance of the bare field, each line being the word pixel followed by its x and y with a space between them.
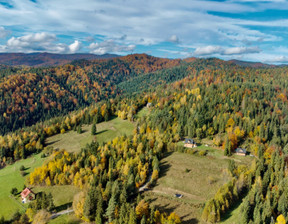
pixel 196 178
pixel 72 141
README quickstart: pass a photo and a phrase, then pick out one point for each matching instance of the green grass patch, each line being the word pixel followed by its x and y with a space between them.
pixel 62 195
pixel 106 131
pixel 65 219
pixel 10 177
pixel 197 178
pixel 143 112
pixel 233 215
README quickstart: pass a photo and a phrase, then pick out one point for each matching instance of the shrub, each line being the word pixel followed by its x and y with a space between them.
pixel 14 191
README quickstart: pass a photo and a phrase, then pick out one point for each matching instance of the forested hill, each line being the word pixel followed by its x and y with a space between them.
pixel 28 95
pixel 46 59
pixel 204 99
pixel 32 94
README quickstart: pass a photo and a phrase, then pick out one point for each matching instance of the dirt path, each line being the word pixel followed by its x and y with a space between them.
pixel 53 216
pixel 146 184
pixel 172 192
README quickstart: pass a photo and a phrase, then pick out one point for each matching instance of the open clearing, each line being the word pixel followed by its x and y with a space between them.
pixel 106 131
pixel 62 194
pixel 65 219
pixel 197 178
pixel 10 177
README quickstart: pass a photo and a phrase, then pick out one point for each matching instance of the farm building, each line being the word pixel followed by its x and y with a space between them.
pixel 149 105
pixel 178 195
pixel 241 152
pixel 27 195
pixel 190 143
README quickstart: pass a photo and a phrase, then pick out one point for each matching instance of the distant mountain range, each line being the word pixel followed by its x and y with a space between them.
pixel 46 59
pixel 251 64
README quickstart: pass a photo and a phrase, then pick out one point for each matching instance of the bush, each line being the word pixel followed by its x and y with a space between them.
pixel 202 153
pixel 22 168
pixel 23 173
pixel 14 191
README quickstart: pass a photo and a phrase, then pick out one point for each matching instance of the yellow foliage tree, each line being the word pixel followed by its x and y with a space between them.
pixel 142 209
pixel 78 204
pixel 281 219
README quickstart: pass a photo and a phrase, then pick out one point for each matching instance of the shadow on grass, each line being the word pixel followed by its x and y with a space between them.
pixel 169 209
pixel 190 221
pixel 51 143
pixel 63 207
pixel 100 132
pixel 164 166
pixel 228 214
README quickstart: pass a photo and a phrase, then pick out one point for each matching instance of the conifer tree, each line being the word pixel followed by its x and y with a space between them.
pixel 94 129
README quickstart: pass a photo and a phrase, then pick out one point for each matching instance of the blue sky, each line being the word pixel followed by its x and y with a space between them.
pixel 246 30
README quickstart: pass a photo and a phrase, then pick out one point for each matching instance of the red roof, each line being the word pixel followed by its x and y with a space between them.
pixel 26 192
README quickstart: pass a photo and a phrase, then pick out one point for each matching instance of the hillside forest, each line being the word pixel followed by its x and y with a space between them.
pixel 230 105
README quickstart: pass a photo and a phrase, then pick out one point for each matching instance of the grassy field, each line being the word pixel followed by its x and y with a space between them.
pixel 10 177
pixel 219 153
pixel 233 215
pixel 106 131
pixel 143 112
pixel 197 178
pixel 65 219
pixel 62 195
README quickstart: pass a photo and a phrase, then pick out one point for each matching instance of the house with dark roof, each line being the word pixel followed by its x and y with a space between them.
pixel 189 143
pixel 178 195
pixel 241 152
pixel 27 195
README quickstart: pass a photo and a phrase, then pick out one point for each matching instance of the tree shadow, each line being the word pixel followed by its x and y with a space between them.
pixel 100 132
pixel 26 168
pixel 228 214
pixel 164 168
pixel 63 207
pixel 169 209
pixel 190 221
pixel 82 132
pixel 51 143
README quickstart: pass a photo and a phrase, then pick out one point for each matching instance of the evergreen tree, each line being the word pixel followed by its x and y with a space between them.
pixel 94 129
pixel 110 212
pixel 132 217
pixel 79 129
pixel 90 203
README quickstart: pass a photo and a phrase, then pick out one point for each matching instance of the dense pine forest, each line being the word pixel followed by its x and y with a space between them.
pixel 230 105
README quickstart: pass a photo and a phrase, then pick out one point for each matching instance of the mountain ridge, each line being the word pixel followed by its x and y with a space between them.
pixel 47 59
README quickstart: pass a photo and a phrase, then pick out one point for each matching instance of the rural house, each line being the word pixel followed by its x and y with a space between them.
pixel 190 143
pixel 27 195
pixel 241 152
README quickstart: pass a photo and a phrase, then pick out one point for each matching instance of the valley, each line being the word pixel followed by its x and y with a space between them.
pixel 92 158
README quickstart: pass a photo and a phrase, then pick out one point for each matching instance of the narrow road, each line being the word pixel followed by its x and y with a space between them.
pixel 146 184
pixel 53 216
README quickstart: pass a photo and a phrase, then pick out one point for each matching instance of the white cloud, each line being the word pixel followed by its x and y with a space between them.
pixel 211 50
pixel 3 32
pixel 208 50
pixel 74 47
pixel 145 23
pixel 39 42
pixel 174 39
pixel 241 50
pixel 279 59
pixel 109 46
pixel 147 20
